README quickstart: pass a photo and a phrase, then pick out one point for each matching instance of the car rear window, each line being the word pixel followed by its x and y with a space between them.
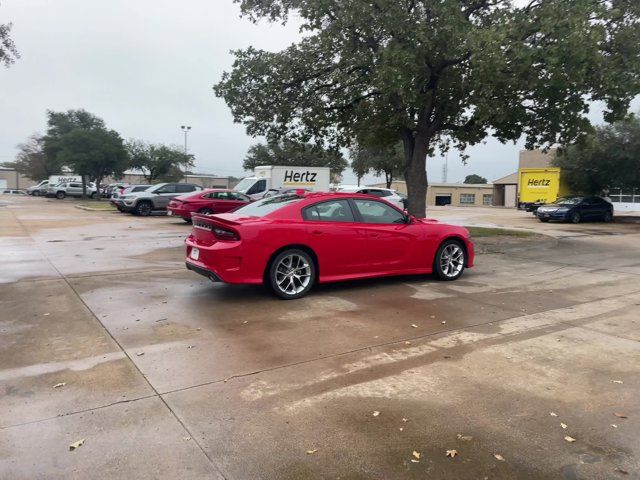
pixel 267 205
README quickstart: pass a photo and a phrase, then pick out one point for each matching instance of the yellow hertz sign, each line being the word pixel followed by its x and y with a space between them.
pixel 539 185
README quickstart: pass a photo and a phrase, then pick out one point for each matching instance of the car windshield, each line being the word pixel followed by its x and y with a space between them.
pixel 244 184
pixel 268 205
pixel 568 201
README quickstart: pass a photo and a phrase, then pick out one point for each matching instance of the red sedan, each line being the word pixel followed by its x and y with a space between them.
pixel 206 202
pixel 289 242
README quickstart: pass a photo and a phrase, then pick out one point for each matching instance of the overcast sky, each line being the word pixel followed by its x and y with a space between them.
pixel 146 67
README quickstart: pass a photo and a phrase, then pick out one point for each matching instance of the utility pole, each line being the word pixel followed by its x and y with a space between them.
pixel 185 129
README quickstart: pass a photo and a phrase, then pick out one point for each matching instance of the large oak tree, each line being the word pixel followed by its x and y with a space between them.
pixel 433 73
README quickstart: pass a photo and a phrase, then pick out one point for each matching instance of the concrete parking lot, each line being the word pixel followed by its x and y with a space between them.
pixel 527 367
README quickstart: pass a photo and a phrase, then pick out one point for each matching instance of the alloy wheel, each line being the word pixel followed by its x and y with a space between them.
pixel 143 209
pixel 576 218
pixel 293 274
pixel 452 260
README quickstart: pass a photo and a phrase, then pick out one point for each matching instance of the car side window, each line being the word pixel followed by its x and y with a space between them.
pixel 170 188
pixel 378 212
pixel 184 188
pixel 238 196
pixel 332 211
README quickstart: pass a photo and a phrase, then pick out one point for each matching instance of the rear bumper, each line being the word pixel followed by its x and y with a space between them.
pixel 203 271
pixel 225 261
pixel 179 212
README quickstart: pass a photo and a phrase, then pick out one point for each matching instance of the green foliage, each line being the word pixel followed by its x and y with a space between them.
pixel 387 161
pixel 61 123
pixel 608 158
pixel 436 73
pixel 288 153
pixel 8 51
pixel 475 179
pixel 159 162
pixel 94 153
pixel 31 160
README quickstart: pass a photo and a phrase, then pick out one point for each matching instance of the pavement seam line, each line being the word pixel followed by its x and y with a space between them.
pixel 156 393
pixel 385 344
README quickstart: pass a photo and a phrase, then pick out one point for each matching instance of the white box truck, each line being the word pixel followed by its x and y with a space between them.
pixel 41 188
pixel 274 178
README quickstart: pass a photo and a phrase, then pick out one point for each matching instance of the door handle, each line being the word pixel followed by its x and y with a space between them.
pixel 373 234
pixel 316 232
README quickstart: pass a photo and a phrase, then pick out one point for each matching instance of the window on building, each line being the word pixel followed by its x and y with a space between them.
pixel 467 199
pixel 487 199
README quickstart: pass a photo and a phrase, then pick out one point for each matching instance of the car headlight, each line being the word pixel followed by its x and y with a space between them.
pixel 562 210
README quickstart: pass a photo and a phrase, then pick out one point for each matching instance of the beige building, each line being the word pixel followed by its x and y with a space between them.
pixel 10 179
pixel 204 180
pixel 457 194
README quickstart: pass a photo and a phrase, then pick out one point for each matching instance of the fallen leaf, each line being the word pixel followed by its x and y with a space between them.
pixel 620 415
pixel 246 321
pixel 563 425
pixel 414 325
pixel 413 460
pixel 464 438
pixel 416 455
pixel 569 439
pixel 140 354
pixel 76 445
pixel 191 346
pixel 614 425
pixel 620 470
pixel 61 384
pixel 405 420
pixel 617 381
pixel 553 414
pixel 407 343
pixel 452 453
pixel 443 322
pixel 311 452
pixel 376 413
pixel 498 457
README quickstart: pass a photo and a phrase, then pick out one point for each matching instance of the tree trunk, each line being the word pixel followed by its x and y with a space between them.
pixel 388 176
pixel 99 193
pixel 84 186
pixel 415 172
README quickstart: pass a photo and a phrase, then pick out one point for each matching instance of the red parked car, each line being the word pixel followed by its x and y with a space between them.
pixel 289 242
pixel 206 202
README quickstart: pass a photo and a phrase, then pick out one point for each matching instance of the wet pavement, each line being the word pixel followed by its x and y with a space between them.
pixel 169 376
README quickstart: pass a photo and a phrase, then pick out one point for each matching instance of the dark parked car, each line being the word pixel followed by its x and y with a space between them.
pixel 576 209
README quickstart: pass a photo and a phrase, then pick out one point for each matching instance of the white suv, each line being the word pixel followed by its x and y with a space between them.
pixel 391 196
pixel 71 189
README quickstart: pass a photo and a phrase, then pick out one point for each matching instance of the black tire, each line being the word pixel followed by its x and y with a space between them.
pixel 143 208
pixel 188 220
pixel 608 217
pixel 119 209
pixel 94 195
pixel 544 220
pixel 205 211
pixel 36 193
pixel 60 195
pixel 575 217
pixel 450 260
pixel 280 270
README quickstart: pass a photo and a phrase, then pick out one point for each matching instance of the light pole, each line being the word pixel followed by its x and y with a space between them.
pixel 185 129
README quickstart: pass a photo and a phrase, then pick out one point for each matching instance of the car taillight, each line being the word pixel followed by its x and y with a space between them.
pixel 223 234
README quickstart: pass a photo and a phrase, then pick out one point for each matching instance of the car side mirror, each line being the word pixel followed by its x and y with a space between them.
pixel 407 219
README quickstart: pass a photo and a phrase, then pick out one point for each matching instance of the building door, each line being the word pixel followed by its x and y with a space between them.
pixel 510 195
pixel 443 199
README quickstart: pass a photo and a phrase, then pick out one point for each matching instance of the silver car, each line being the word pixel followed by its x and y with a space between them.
pixel 155 198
